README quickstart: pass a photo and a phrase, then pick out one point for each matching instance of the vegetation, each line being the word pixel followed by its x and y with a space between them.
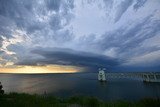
pixel 27 100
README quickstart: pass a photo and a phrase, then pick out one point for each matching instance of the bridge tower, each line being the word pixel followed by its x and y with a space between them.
pixel 101 75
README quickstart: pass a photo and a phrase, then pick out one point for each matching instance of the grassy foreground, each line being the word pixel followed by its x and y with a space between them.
pixel 27 100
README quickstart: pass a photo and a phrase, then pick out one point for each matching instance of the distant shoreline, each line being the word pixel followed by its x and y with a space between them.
pixel 78 73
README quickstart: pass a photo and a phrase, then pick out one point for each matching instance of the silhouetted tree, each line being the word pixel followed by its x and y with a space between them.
pixel 1 89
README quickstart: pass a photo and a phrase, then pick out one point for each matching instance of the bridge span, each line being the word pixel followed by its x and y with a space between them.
pixel 146 77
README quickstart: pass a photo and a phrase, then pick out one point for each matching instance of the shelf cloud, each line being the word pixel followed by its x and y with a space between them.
pixel 121 35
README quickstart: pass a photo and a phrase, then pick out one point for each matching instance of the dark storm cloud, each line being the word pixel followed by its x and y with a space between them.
pixel 122 8
pixel 108 3
pixel 132 37
pixel 56 22
pixel 16 12
pixel 5 26
pixel 128 42
pixel 26 14
pixel 56 4
pixel 64 36
pixel 70 57
pixel 137 68
pixel 1 41
pixel 124 30
pixel 32 21
pixel 139 4
pixel 53 4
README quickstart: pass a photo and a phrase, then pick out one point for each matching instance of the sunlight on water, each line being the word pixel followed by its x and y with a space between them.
pixel 79 84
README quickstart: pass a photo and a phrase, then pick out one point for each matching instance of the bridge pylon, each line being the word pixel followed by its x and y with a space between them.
pixel 101 75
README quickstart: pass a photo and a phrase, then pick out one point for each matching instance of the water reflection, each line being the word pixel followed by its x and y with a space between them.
pixel 79 84
pixel 34 83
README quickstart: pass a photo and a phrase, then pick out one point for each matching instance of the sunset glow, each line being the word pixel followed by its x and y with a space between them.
pixel 119 35
pixel 40 69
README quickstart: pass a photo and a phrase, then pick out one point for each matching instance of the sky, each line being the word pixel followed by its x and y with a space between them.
pixel 56 36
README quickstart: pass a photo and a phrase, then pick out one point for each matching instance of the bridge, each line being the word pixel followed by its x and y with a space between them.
pixel 146 77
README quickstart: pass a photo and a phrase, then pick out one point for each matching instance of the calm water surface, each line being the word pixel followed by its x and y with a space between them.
pixel 64 85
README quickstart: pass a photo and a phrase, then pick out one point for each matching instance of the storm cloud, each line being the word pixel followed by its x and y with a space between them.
pixel 116 34
pixel 63 56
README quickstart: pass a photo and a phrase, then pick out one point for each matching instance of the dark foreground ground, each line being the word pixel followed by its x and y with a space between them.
pixel 26 100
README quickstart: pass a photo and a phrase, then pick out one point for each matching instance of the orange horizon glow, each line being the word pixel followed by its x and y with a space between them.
pixel 40 69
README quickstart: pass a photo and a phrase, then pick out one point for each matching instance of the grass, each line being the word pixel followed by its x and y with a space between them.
pixel 27 100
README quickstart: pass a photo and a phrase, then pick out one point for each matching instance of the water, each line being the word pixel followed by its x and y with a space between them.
pixel 64 85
